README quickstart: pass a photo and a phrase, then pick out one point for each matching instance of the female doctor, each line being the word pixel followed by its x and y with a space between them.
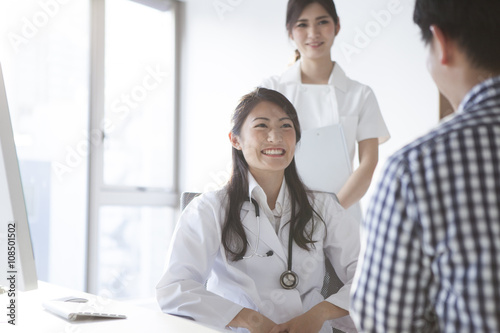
pixel 323 95
pixel 251 256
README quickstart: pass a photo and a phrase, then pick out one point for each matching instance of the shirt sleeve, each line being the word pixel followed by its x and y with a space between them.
pixel 389 291
pixel 371 124
pixel 195 245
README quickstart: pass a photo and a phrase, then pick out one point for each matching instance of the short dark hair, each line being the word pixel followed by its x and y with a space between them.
pixel 473 24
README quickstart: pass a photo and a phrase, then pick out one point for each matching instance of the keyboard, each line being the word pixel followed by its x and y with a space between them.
pixel 75 308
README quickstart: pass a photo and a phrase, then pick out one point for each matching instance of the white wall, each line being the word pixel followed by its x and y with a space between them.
pixel 229 46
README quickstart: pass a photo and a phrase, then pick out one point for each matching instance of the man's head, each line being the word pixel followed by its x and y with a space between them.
pixel 464 42
pixel 473 24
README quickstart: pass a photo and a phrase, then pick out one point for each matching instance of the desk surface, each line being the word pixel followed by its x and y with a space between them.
pixel 32 317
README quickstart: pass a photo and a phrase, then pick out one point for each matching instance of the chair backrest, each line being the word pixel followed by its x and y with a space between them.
pixel 331 282
pixel 186 198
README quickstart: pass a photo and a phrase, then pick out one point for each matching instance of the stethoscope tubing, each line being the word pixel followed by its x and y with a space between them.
pixel 289 279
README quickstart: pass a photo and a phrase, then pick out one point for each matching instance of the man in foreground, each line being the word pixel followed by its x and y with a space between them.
pixel 431 258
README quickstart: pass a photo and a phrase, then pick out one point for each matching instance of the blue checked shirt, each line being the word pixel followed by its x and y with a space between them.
pixel 430 260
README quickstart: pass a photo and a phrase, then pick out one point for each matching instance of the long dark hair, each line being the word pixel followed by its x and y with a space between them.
pixel 296 7
pixel 234 238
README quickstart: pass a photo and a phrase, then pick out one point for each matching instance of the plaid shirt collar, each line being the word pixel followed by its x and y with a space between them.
pixel 479 94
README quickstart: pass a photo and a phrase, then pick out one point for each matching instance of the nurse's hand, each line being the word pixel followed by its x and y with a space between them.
pixel 253 321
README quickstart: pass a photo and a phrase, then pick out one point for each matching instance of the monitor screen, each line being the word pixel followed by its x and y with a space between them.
pixel 17 262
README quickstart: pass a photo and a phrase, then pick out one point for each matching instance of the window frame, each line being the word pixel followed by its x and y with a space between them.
pixel 100 195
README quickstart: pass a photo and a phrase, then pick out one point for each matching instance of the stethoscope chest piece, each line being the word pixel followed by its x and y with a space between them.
pixel 289 279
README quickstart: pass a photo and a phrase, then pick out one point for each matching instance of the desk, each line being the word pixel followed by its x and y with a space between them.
pixel 32 317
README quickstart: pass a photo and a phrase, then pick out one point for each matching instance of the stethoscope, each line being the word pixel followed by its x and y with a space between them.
pixel 288 279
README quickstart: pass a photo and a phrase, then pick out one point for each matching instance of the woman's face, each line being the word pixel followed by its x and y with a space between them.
pixel 267 139
pixel 314 32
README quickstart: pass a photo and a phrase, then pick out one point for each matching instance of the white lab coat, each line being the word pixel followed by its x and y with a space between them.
pixel 196 256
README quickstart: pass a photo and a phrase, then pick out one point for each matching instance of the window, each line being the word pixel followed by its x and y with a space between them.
pixel 133 200
pixel 45 54
pixel 139 133
pixel 91 91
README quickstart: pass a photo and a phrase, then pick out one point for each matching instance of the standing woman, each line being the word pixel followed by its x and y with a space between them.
pixel 251 256
pixel 323 95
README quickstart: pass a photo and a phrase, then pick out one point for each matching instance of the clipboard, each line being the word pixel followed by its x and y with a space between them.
pixel 322 158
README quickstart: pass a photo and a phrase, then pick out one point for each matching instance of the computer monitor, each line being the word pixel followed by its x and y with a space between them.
pixel 16 251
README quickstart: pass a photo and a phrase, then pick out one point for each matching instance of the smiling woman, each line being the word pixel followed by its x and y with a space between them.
pixel 314 33
pixel 234 264
pixel 267 140
pixel 323 95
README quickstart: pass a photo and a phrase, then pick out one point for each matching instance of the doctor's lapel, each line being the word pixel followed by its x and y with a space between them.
pixel 268 238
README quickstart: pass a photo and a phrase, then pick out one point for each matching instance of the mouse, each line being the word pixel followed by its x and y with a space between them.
pixel 73 299
pixel 77 300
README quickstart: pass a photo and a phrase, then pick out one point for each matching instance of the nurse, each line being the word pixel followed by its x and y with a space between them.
pixel 251 256
pixel 323 95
